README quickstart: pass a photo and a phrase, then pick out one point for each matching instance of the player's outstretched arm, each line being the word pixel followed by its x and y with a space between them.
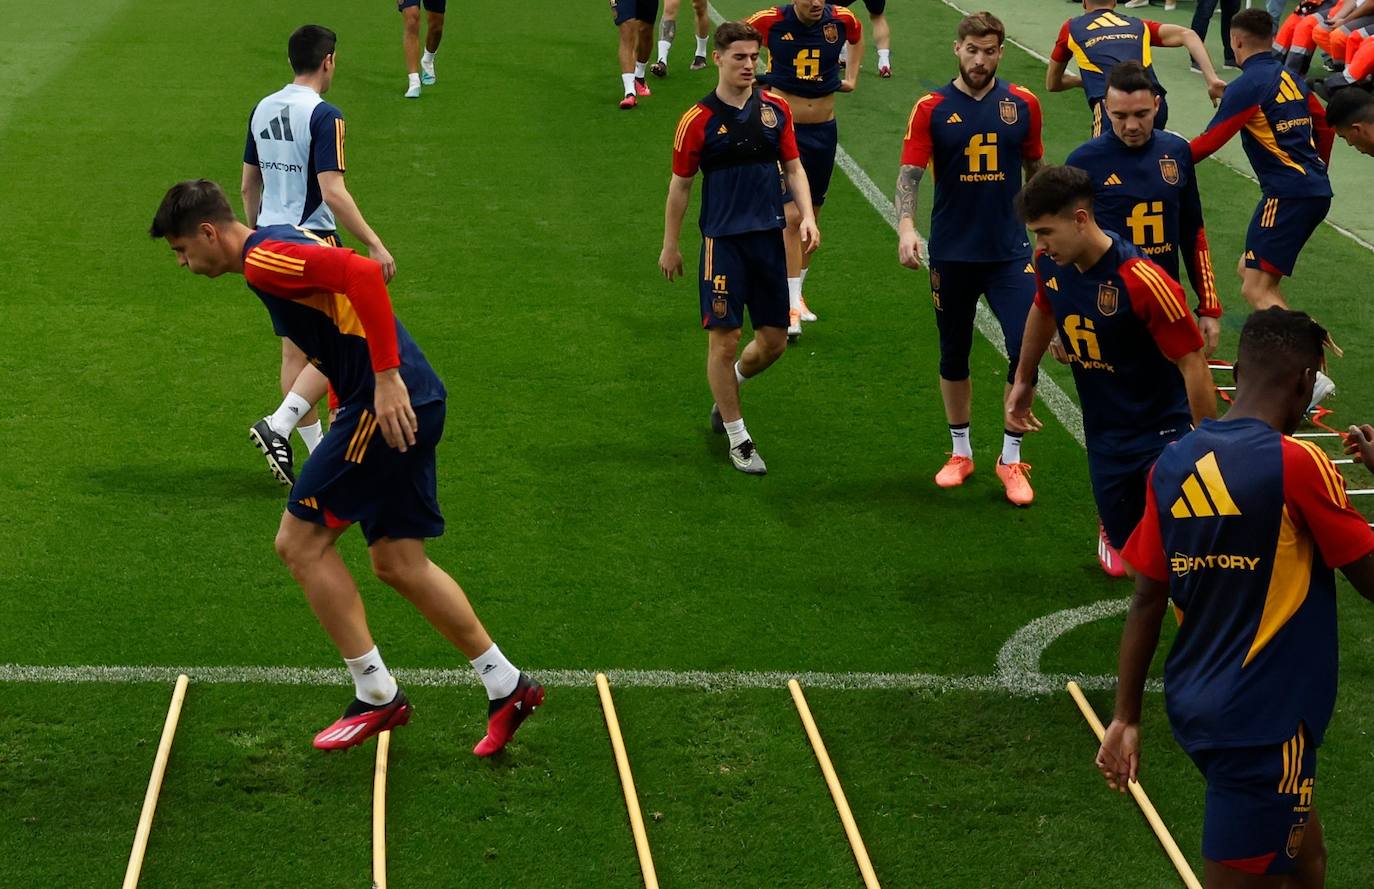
pixel 1119 757
pixel 1056 81
pixel 250 188
pixel 909 247
pixel 337 196
pixel 679 196
pixel 800 189
pixel 1177 35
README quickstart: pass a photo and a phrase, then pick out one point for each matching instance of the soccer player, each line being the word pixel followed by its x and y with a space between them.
pixel 334 305
pixel 1351 114
pixel 667 32
pixel 635 21
pixel 1146 190
pixel 738 136
pixel 293 174
pixel 804 40
pixel 1101 37
pixel 1285 136
pixel 420 67
pixel 1136 352
pixel 981 135
pixel 1242 529
pixel 882 35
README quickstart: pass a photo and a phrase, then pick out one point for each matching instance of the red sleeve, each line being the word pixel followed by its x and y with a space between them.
pixel 1220 131
pixel 1061 51
pixel 687 142
pixel 299 271
pixel 1145 550
pixel 1033 148
pixel 1314 493
pixel 1321 130
pixel 916 145
pixel 1153 28
pixel 853 31
pixel 1158 300
pixel 764 20
pixel 787 145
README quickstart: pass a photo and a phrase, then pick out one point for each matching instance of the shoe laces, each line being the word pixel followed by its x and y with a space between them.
pixel 1019 468
pixel 746 448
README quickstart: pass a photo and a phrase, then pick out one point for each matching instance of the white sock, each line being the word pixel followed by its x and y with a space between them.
pixel 311 435
pixel 414 78
pixel 803 279
pixel 663 47
pixel 288 414
pixel 498 674
pixel 884 58
pixel 629 81
pixel 735 429
pixel 427 58
pixel 794 294
pixel 1011 448
pixel 739 374
pixel 959 436
pixel 372 682
pixel 701 46
pixel 639 70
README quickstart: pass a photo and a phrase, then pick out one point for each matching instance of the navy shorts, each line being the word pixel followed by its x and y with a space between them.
pixel 1119 482
pixel 739 272
pixel 355 476
pixel 955 288
pixel 817 143
pixel 1102 124
pixel 438 7
pixel 642 10
pixel 1279 230
pixel 1259 801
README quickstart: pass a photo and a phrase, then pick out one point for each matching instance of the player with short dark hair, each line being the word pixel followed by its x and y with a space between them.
pixel 1243 528
pixel 980 135
pixel 420 68
pixel 1351 114
pixel 804 39
pixel 882 35
pixel 1284 133
pixel 667 33
pixel 738 137
pixel 1136 352
pixel 634 19
pixel 293 174
pixel 1101 38
pixel 334 305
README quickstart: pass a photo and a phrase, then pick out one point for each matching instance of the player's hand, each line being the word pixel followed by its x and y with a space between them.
pixel 1118 759
pixel 391 402
pixel 847 85
pixel 810 235
pixel 1057 349
pixel 910 250
pixel 1211 334
pixel 1360 444
pixel 1215 89
pixel 670 263
pixel 382 257
pixel 1019 415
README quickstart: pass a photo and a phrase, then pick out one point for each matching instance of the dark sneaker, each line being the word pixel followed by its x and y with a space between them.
pixel 276 449
pixel 717 424
pixel 698 62
pixel 505 715
pixel 362 720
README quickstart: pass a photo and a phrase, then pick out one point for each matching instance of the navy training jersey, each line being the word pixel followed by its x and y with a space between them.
pixel 1123 322
pixel 323 299
pixel 293 136
pixel 1150 196
pixel 803 59
pixel 1246 526
pixel 975 148
pixel 1283 129
pixel 738 151
pixel 1099 40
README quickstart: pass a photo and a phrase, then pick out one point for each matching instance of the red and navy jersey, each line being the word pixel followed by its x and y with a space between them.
pixel 1283 129
pixel 738 151
pixel 334 306
pixel 803 59
pixel 1123 322
pixel 1246 526
pixel 975 148
pixel 1149 196
pixel 1101 39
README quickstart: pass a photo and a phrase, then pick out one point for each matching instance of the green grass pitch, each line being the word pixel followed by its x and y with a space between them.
pixel 593 518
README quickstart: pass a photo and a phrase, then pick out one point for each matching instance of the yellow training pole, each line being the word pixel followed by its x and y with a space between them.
pixel 627 784
pixel 164 750
pixel 856 842
pixel 379 812
pixel 1156 823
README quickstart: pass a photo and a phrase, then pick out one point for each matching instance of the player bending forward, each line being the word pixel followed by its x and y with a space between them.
pixel 333 304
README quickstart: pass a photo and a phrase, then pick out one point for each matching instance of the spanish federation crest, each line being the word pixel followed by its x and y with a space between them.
pixel 720 306
pixel 1168 168
pixel 1295 839
pixel 1007 108
pixel 831 32
pixel 768 116
pixel 1108 299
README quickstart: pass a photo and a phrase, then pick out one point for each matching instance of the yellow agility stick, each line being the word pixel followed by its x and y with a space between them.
pixel 1185 871
pixel 851 830
pixel 379 812
pixel 164 750
pixel 627 784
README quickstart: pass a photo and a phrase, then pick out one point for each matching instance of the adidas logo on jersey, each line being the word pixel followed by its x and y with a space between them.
pixel 722 131
pixel 279 128
pixel 1053 284
pixel 1204 492
pixel 954 118
pixel 787 36
pixel 1108 20
pixel 1030 269
pixel 1113 180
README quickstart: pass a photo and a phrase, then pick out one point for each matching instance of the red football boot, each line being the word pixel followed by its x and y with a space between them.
pixel 361 721
pixel 505 715
pixel 1107 555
